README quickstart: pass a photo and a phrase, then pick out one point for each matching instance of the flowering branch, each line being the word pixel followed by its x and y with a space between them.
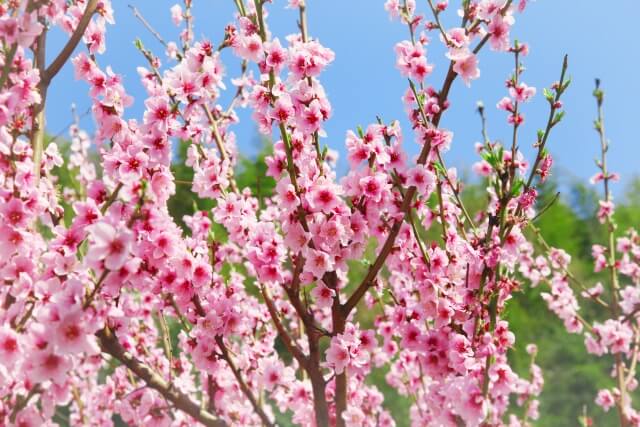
pixel 614 305
pixel 367 282
pixel 71 44
pixel 109 344
pixel 243 386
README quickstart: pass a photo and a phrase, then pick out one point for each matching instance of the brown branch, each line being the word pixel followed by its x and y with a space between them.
pixel 436 16
pixel 338 318
pixel 236 372
pixel 22 401
pixel 320 405
pixel 406 203
pixel 96 288
pixel 286 338
pixel 109 344
pixel 38 111
pixel 73 41
pixel 367 282
pixel 243 385
pixel 78 400
pixel 188 19
pixel 220 144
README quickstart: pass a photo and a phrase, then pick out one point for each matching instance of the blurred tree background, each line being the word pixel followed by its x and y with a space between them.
pixel 572 377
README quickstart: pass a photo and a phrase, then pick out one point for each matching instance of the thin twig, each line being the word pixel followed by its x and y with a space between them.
pixel 148 26
pixel 109 344
pixel 73 41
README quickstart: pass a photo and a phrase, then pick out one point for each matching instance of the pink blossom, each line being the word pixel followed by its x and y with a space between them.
pixel 309 59
pixel 11 240
pixel 412 61
pixel 23 30
pixel 489 8
pixel 605 400
pixel 158 113
pixel 94 36
pixel 545 167
pixel 296 238
pixel 373 187
pixel 47 365
pixel 630 298
pixel 423 179
pixel 29 417
pixel 467 68
pixel 317 262
pixel 176 14
pixel 606 210
pixel 120 265
pixel 506 104
pixel 337 355
pixel 283 109
pixel 522 92
pixel 272 375
pixel 471 406
pixel 532 349
pixel 14 213
pixel 528 198
pixel 276 56
pixel 109 245
pixel 9 347
pixel 393 7
pixel 354 416
pixel 132 165
pixel 71 335
pixel 323 197
pixel 165 245
pixel 323 295
pixel 498 29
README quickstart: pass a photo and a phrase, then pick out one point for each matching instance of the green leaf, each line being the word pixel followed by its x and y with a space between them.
pixel 517 186
pixel 439 168
pixel 490 158
pixel 557 118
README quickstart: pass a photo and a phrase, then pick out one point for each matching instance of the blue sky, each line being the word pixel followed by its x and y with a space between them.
pixel 363 81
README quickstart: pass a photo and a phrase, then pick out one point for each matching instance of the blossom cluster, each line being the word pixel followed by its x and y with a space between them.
pixel 270 323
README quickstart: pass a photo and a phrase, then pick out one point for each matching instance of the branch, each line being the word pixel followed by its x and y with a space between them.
pixel 565 270
pixel 73 41
pixel 286 338
pixel 243 385
pixel 220 144
pixel 406 203
pixel 546 207
pixel 236 372
pixel 613 270
pixel 22 401
pixel 109 344
pixel 148 26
